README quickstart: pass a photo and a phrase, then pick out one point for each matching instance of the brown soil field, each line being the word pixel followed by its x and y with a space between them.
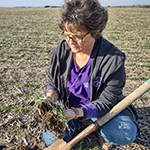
pixel 27 37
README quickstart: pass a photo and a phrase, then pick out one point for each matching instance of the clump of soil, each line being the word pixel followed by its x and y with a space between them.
pixel 51 119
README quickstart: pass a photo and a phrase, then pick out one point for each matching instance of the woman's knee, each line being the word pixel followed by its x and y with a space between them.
pixel 121 130
pixel 121 138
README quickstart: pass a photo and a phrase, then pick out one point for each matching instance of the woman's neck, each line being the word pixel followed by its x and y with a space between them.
pixel 82 58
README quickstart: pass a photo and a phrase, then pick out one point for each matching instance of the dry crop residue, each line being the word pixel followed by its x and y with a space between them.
pixel 27 37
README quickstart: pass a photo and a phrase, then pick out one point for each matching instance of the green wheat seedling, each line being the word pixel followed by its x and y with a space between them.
pixel 55 108
pixel 13 107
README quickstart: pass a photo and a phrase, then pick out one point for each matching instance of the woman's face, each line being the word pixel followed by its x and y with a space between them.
pixel 79 41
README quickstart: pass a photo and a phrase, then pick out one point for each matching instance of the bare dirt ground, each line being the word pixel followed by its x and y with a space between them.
pixel 27 37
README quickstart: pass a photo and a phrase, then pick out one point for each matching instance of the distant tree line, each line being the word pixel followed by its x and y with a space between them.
pixel 134 6
pixel 47 6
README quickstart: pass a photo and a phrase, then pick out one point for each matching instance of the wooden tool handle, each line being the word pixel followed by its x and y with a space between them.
pixel 91 128
pixel 124 103
pixel 112 113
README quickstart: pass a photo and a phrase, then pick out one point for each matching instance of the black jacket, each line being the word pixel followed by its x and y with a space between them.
pixel 107 67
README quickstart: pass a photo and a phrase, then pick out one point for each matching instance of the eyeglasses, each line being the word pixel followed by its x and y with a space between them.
pixel 75 38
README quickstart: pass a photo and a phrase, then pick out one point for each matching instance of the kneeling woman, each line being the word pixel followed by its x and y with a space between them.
pixel 88 73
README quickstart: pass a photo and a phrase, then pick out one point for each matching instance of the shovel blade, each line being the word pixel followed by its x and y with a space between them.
pixel 58 145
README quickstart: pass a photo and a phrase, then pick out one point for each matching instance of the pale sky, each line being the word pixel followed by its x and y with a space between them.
pixel 42 3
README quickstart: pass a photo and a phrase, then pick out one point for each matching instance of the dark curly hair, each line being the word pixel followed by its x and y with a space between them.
pixel 84 15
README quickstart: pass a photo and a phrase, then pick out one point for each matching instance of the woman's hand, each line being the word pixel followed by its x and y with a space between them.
pixel 51 96
pixel 73 113
pixel 70 114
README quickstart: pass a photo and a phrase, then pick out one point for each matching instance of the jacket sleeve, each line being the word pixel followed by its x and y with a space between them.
pixel 60 60
pixel 53 70
pixel 107 94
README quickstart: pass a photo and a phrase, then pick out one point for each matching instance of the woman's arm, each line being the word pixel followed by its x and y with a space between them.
pixel 74 113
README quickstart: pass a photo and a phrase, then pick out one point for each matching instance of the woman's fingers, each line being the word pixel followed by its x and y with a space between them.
pixel 70 114
pixel 39 110
pixel 37 104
